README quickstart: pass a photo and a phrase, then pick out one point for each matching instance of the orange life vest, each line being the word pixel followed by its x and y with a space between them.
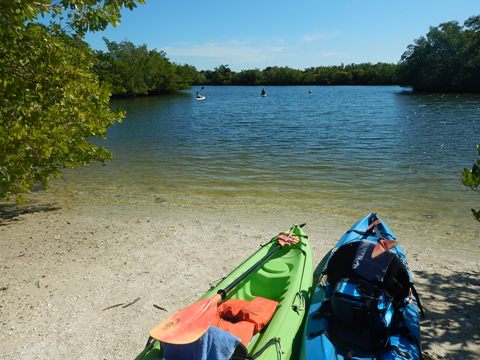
pixel 244 318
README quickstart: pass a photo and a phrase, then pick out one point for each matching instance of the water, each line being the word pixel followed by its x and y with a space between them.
pixel 339 150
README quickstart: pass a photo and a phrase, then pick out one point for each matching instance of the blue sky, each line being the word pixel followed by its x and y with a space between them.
pixel 251 34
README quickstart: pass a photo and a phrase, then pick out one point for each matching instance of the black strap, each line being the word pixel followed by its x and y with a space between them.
pixel 417 299
pixel 272 341
pixel 367 233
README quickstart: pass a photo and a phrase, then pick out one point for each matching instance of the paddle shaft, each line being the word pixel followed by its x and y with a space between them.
pixel 378 233
pixel 223 292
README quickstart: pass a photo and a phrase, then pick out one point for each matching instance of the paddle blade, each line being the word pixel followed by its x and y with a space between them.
pixel 382 246
pixel 189 324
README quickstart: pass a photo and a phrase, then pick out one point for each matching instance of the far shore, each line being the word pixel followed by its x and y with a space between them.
pixel 88 282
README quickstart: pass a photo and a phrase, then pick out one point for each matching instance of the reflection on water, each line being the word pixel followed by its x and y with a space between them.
pixel 342 150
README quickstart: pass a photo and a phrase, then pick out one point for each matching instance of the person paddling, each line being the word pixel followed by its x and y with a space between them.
pixel 199 95
pixel 263 92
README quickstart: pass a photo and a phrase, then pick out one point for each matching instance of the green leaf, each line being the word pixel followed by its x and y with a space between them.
pixel 51 100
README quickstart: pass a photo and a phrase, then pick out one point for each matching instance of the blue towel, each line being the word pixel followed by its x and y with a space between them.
pixel 215 344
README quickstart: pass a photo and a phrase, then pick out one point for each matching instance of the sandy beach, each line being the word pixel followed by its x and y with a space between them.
pixel 88 282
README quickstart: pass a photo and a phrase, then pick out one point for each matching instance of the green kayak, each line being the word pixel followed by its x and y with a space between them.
pixel 278 271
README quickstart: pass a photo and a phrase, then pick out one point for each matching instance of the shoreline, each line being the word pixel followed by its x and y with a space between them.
pixel 82 282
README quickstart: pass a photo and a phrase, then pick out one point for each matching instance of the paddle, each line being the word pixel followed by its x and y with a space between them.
pixel 191 323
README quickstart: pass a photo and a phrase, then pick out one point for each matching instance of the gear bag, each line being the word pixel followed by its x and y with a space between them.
pixel 365 292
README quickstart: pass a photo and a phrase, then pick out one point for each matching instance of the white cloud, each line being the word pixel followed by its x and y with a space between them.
pixel 320 36
pixel 237 51
pixel 240 55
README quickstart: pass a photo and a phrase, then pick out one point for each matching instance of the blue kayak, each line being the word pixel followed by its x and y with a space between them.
pixel 363 303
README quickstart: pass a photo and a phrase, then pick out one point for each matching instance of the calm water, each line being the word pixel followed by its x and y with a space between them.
pixel 343 150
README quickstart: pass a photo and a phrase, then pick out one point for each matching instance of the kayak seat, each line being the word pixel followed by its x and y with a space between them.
pixel 270 282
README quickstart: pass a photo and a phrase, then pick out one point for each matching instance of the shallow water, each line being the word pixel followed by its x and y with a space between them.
pixel 338 150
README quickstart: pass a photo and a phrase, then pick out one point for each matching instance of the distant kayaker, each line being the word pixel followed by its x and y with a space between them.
pixel 199 96
pixel 263 92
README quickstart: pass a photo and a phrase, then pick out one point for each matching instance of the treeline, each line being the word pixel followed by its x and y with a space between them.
pixel 131 70
pixel 447 59
pixel 353 74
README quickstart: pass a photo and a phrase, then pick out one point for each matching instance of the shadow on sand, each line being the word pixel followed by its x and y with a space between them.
pixel 452 307
pixel 10 213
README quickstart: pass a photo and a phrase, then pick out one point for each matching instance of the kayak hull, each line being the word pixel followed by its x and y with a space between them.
pixel 318 344
pixel 286 277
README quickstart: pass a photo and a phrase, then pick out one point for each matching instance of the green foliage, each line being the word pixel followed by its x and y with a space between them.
pixel 134 70
pixel 282 76
pixel 353 74
pixel 50 100
pixel 73 16
pixel 186 76
pixel 447 59
pixel 471 179
pixel 221 75
pixel 248 77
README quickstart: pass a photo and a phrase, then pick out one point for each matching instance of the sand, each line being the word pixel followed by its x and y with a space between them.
pixel 83 282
